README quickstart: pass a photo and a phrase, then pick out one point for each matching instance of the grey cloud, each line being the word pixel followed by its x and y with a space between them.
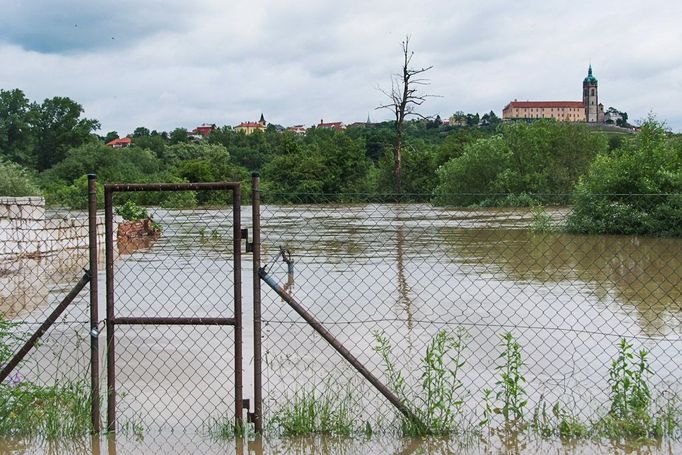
pixel 70 26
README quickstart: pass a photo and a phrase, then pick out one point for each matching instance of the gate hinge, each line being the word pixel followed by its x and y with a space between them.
pixel 245 236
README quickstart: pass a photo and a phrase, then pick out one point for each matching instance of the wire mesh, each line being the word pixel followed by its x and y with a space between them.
pixel 42 257
pixel 406 271
pixel 172 377
pixel 168 377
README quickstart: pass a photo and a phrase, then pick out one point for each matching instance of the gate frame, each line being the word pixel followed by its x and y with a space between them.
pixel 111 320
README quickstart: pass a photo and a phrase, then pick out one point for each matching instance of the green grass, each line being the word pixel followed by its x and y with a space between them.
pixel 225 428
pixel 314 412
pixel 53 412
pixel 438 399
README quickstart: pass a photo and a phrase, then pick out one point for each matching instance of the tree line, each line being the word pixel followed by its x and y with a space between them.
pixel 49 147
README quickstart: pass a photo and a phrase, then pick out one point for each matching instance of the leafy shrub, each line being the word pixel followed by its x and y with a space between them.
pixel 15 180
pixel 635 190
pixel 130 211
pixel 442 392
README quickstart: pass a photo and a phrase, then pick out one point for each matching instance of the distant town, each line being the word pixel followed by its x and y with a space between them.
pixel 590 110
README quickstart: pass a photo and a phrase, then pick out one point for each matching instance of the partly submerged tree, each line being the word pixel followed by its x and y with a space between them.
pixel 404 99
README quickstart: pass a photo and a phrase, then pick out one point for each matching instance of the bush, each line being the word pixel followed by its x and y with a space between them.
pixel 637 189
pixel 15 180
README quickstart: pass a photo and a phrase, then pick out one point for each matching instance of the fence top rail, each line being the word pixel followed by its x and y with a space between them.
pixel 111 187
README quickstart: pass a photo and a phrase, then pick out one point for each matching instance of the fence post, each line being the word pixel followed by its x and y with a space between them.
pixel 257 365
pixel 237 245
pixel 111 354
pixel 94 318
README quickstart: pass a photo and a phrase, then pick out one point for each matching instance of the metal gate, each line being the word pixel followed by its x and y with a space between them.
pixel 158 314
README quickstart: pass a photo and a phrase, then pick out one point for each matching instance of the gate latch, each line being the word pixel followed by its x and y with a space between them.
pixel 245 236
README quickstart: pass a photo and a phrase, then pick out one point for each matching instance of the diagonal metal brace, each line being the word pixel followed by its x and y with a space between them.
pixel 26 348
pixel 345 353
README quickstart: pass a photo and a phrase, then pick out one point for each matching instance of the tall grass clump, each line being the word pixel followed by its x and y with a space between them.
pixel 314 412
pixel 29 409
pixel 438 399
pixel 632 413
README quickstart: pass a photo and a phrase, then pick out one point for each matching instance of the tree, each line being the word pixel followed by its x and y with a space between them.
pixel 17 116
pixel 111 135
pixel 141 131
pixel 178 136
pixel 404 99
pixel 59 128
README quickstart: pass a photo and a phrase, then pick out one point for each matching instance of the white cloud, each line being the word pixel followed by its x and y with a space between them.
pixel 225 62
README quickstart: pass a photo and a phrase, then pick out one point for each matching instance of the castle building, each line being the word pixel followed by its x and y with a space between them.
pixel 251 127
pixel 588 110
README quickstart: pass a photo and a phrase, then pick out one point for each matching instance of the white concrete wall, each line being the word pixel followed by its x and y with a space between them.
pixel 25 232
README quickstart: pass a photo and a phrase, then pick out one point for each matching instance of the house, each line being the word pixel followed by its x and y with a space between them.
pixel 250 127
pixel 338 126
pixel 204 130
pixel 298 129
pixel 120 143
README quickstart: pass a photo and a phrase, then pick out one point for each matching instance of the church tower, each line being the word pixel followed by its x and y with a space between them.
pixel 591 97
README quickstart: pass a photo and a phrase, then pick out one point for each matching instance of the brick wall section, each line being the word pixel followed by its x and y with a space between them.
pixel 25 232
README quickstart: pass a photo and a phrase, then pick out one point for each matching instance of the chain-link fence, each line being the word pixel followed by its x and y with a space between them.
pixel 402 272
pixel 173 295
pixel 368 271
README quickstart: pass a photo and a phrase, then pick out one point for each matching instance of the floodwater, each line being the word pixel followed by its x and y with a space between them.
pixel 404 270
pixel 174 444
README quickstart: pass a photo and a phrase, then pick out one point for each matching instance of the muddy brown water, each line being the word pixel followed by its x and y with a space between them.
pixel 406 270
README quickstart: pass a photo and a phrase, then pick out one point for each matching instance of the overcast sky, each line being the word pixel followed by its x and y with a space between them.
pixel 165 64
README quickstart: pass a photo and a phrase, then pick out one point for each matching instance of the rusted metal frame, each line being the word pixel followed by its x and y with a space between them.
pixel 257 314
pixel 31 342
pixel 336 344
pixel 238 328
pixel 143 320
pixel 124 187
pixel 111 353
pixel 109 189
pixel 94 316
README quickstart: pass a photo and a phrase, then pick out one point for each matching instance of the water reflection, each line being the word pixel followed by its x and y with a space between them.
pixel 172 444
pixel 643 275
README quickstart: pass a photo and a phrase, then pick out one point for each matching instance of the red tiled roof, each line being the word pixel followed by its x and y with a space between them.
pixel 121 140
pixel 250 125
pixel 550 104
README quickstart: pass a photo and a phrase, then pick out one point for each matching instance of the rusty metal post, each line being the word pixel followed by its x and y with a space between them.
pixel 257 342
pixel 111 354
pixel 31 342
pixel 94 316
pixel 237 232
pixel 336 344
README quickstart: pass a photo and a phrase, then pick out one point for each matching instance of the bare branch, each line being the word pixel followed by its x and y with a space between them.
pixel 404 99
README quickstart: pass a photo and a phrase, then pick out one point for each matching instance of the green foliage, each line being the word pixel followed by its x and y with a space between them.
pixel 28 409
pixel 16 180
pixel 316 413
pixel 479 172
pixel 130 211
pixel 631 414
pixel 75 195
pixel 636 189
pixel 511 390
pixel 543 159
pixel 558 422
pixel 57 411
pixel 542 221
pixel 438 404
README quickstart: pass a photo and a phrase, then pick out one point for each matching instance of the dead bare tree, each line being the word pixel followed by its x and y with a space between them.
pixel 404 101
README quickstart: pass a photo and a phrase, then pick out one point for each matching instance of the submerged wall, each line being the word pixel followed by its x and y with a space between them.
pixel 26 233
